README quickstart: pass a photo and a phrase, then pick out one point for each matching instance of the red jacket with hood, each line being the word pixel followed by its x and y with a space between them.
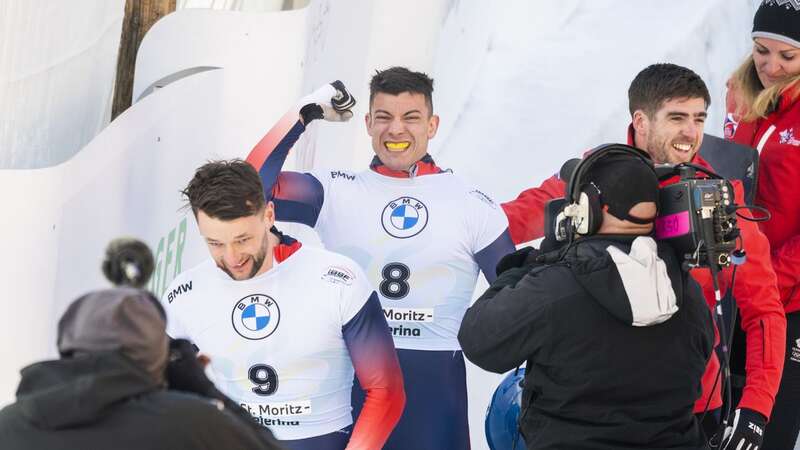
pixel 756 295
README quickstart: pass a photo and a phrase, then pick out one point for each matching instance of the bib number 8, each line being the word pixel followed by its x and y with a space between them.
pixel 395 281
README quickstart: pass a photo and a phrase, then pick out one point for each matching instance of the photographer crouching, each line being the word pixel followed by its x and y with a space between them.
pixel 616 336
pixel 117 383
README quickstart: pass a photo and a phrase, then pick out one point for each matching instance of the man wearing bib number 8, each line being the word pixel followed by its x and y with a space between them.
pixel 419 232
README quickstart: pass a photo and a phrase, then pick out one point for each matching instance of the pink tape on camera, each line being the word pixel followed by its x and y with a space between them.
pixel 672 225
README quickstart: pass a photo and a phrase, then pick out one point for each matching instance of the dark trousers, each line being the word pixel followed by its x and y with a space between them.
pixel 435 417
pixel 331 441
pixel 784 425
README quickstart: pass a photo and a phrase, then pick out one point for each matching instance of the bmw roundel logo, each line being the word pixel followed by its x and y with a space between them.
pixel 404 217
pixel 256 316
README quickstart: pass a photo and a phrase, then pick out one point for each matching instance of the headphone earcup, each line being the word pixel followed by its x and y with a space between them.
pixel 592 210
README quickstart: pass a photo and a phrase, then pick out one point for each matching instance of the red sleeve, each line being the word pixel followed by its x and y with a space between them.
pixel 763 318
pixel 378 372
pixel 785 262
pixel 526 213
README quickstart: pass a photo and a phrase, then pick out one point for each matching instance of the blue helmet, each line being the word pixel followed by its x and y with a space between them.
pixel 502 416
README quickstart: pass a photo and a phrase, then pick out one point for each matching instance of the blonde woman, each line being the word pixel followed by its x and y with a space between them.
pixel 764 112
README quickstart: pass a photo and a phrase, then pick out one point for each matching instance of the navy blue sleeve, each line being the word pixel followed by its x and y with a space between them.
pixel 297 197
pixel 274 162
pixel 488 257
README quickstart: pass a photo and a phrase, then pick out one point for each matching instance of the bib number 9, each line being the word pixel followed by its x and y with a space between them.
pixel 265 379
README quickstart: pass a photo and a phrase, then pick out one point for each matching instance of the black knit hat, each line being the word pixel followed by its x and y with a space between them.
pixel 779 20
pixel 623 183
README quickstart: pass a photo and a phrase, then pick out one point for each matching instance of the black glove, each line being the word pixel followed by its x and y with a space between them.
pixel 745 432
pixel 184 371
pixel 342 101
pixel 520 258
pixel 331 102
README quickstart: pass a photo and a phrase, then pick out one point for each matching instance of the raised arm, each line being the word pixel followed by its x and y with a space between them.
pixel 298 197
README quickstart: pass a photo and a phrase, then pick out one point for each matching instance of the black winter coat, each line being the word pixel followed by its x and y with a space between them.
pixel 103 401
pixel 616 338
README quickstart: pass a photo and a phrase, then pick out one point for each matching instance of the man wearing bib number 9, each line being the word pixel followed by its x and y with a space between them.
pixel 286 326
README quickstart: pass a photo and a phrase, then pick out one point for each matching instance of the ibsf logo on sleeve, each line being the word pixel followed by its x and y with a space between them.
pixel 404 217
pixel 256 316
pixel 338 275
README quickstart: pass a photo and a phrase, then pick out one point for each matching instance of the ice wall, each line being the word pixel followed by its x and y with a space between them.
pixel 57 65
pixel 546 80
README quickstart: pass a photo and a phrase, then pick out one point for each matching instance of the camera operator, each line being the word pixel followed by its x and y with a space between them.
pixel 108 389
pixel 616 336
pixel 668 105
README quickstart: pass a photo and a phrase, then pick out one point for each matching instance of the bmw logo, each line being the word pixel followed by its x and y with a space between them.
pixel 255 316
pixel 404 217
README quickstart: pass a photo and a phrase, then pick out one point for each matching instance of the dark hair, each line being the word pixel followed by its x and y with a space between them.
pixel 659 83
pixel 225 190
pixel 396 80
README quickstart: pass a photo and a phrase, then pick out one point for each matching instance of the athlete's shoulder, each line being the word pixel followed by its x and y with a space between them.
pixel 477 197
pixel 185 283
pixel 462 186
pixel 334 175
pixel 332 267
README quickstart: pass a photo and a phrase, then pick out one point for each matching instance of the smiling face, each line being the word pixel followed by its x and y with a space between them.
pixel 400 127
pixel 241 247
pixel 775 60
pixel 674 134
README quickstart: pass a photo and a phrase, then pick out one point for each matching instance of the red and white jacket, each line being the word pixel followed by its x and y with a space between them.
pixel 777 139
pixel 755 291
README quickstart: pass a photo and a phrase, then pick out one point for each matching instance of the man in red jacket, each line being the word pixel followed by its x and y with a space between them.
pixel 668 106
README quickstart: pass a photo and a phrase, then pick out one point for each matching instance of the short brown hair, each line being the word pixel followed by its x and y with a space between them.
pixel 659 83
pixel 225 190
pixel 396 80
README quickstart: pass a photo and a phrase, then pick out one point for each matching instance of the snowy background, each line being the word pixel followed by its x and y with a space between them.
pixel 520 85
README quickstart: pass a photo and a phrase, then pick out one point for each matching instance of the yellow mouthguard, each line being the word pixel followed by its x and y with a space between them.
pixel 397 146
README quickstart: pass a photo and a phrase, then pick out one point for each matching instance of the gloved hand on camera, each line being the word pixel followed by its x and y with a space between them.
pixel 331 102
pixel 185 372
pixel 745 432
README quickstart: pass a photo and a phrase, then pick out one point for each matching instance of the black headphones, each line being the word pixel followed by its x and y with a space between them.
pixel 584 212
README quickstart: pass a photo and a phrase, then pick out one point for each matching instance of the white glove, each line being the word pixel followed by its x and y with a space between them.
pixel 331 102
